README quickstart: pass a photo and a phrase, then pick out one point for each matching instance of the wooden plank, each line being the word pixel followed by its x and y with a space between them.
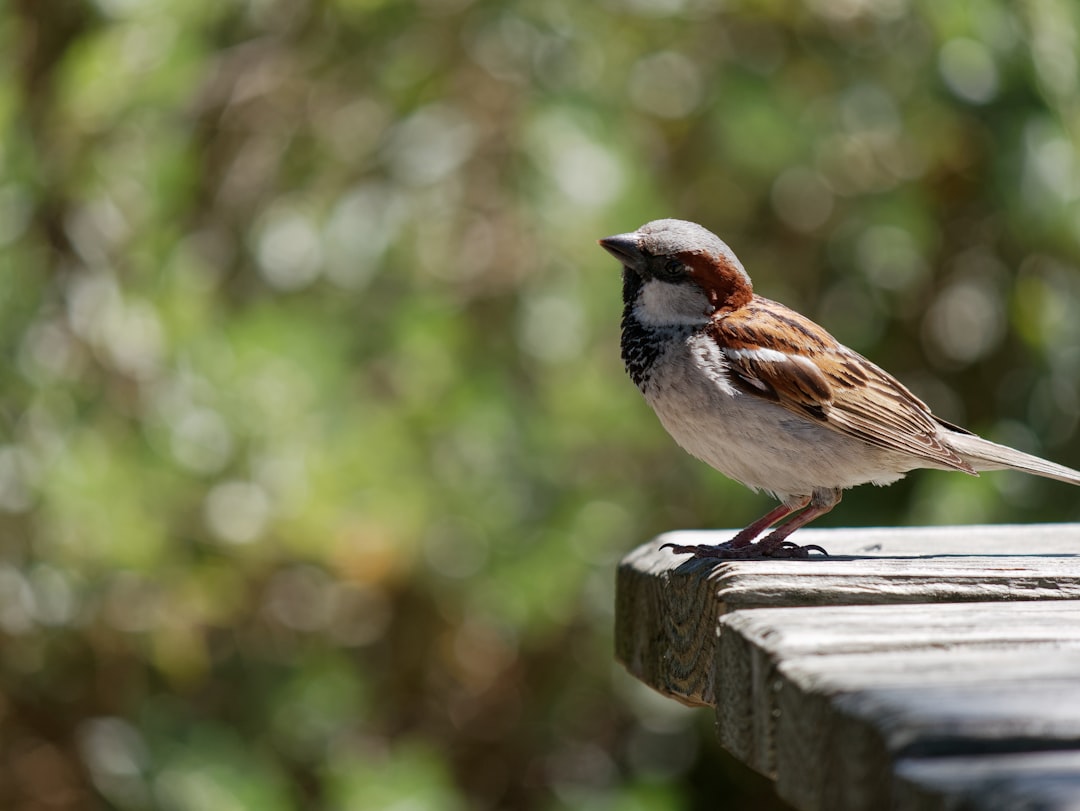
pixel 667 606
pixel 875 642
pixel 1048 781
pixel 826 700
pixel 968 539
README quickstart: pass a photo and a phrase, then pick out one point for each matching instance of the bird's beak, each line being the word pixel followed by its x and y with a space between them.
pixel 624 247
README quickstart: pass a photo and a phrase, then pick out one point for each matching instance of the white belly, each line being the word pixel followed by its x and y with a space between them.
pixel 752 440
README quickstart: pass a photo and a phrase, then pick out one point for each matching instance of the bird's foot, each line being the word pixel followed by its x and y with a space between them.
pixel 790 549
pixel 762 550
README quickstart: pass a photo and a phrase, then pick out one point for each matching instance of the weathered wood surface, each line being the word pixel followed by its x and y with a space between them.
pixel 825 700
pixel 1047 781
pixel 667 605
pixel 881 676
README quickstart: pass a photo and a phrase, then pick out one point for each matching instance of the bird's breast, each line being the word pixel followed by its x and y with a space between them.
pixel 746 437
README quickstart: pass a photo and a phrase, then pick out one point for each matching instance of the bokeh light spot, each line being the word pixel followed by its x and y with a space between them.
pixel 552 328
pixel 288 247
pixel 802 199
pixel 237 511
pixel 966 321
pixel 430 144
pixel 969 70
pixel 666 84
pixel 889 257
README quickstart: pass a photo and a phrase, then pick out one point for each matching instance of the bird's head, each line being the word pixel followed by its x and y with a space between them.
pixel 679 272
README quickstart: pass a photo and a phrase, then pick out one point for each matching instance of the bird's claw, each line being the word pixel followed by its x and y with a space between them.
pixel 752 551
pixel 790 549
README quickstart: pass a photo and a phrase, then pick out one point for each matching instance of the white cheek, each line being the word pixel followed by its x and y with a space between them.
pixel 662 304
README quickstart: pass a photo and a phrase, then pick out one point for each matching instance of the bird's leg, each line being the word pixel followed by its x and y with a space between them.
pixel 776 544
pixel 740 546
pixel 778 513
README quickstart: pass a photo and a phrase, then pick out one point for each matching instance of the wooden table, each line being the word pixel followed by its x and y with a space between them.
pixel 915 668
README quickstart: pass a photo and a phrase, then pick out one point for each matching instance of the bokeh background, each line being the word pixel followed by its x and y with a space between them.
pixel 316 453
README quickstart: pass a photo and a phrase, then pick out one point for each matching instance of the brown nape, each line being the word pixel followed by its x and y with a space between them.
pixel 727 286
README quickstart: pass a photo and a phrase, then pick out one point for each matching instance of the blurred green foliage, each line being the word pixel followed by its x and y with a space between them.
pixel 316 453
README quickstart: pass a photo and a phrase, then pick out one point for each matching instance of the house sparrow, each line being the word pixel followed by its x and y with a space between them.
pixel 769 398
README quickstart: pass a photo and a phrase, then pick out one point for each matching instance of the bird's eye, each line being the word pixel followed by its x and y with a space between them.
pixel 673 267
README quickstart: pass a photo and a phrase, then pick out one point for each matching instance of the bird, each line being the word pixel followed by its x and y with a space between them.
pixel 768 397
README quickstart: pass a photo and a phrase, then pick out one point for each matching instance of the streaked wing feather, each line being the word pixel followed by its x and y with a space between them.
pixel 806 370
pixel 884 412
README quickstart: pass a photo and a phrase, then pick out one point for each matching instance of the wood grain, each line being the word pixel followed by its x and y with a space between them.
pixel 854 681
pixel 1047 781
pixel 667 606
pixel 841 693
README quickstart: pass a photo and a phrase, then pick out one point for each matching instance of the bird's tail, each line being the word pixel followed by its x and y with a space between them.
pixel 982 454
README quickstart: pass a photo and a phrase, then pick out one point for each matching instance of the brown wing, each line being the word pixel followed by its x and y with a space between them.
pixel 775 353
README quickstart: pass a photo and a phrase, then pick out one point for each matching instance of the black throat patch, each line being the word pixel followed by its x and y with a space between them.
pixel 641 345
